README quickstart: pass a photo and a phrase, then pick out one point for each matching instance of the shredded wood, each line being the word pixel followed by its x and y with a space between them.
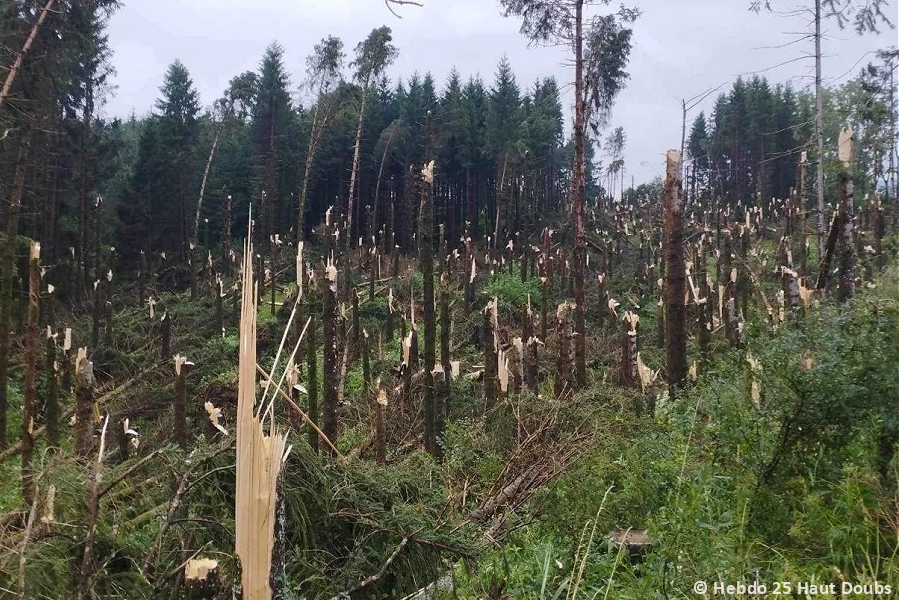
pixel 261 452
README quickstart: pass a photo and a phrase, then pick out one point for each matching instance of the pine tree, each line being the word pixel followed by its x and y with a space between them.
pixel 601 55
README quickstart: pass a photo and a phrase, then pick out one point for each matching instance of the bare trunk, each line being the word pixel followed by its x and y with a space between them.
pixel 676 334
pixel 562 380
pixel 847 270
pixel 330 383
pixel 579 253
pixel 490 357
pixel 29 407
pixel 354 171
pixel 84 405
pixel 426 267
pixel 209 160
pixel 312 383
pixel 179 430
pixel 820 135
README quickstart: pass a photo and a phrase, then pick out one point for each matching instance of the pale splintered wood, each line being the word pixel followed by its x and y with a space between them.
pixel 260 455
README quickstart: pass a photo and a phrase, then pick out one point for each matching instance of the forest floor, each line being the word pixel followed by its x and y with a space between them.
pixel 777 462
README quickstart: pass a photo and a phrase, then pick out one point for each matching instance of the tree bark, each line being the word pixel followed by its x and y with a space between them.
pixel 820 135
pixel 847 270
pixel 426 267
pixel 676 333
pixel 579 253
pixel 312 383
pixel 354 171
pixel 179 431
pixel 330 384
pixel 29 412
pixel 209 160
pixel 84 405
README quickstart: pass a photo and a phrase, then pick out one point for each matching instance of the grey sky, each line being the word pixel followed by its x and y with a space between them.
pixel 681 47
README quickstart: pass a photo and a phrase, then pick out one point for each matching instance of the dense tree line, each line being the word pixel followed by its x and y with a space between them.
pixel 750 146
pixel 495 143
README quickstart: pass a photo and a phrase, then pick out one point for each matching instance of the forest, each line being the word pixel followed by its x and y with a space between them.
pixel 393 337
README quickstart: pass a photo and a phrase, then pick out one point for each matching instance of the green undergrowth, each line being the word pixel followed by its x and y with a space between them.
pixel 800 488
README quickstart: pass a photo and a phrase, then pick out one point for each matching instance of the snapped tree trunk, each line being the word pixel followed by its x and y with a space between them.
pixel 490 355
pixel 426 267
pixel 179 431
pixel 84 405
pixel 354 171
pixel 329 350
pixel 562 381
pixel 847 269
pixel 312 379
pixel 676 333
pixel 29 407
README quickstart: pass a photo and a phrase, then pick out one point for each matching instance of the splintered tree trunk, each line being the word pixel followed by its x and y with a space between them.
pixel 563 363
pixel 122 439
pixel 51 398
pixel 676 333
pixel 354 315
pixel 220 309
pixel 847 269
pixel 878 230
pixel 602 299
pixel 470 274
pixel 165 336
pixel 97 315
pixel 354 171
pixel 29 407
pixel 828 256
pixel 312 383
pixel 179 431
pixel 380 407
pixel 84 405
pixel 529 359
pixel 446 325
pixel 329 340
pixel 7 266
pixel 629 350
pixel 389 319
pixel 490 357
pixel 426 267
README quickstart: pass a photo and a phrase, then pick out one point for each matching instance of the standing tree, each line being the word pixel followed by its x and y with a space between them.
pixel 323 68
pixel 697 147
pixel 373 56
pixel 600 62
pixel 865 16
pixel 178 132
pixel 271 113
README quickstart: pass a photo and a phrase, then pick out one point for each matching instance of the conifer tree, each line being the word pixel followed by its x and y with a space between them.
pixel 601 55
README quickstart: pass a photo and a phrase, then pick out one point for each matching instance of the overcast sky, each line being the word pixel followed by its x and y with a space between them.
pixel 681 48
